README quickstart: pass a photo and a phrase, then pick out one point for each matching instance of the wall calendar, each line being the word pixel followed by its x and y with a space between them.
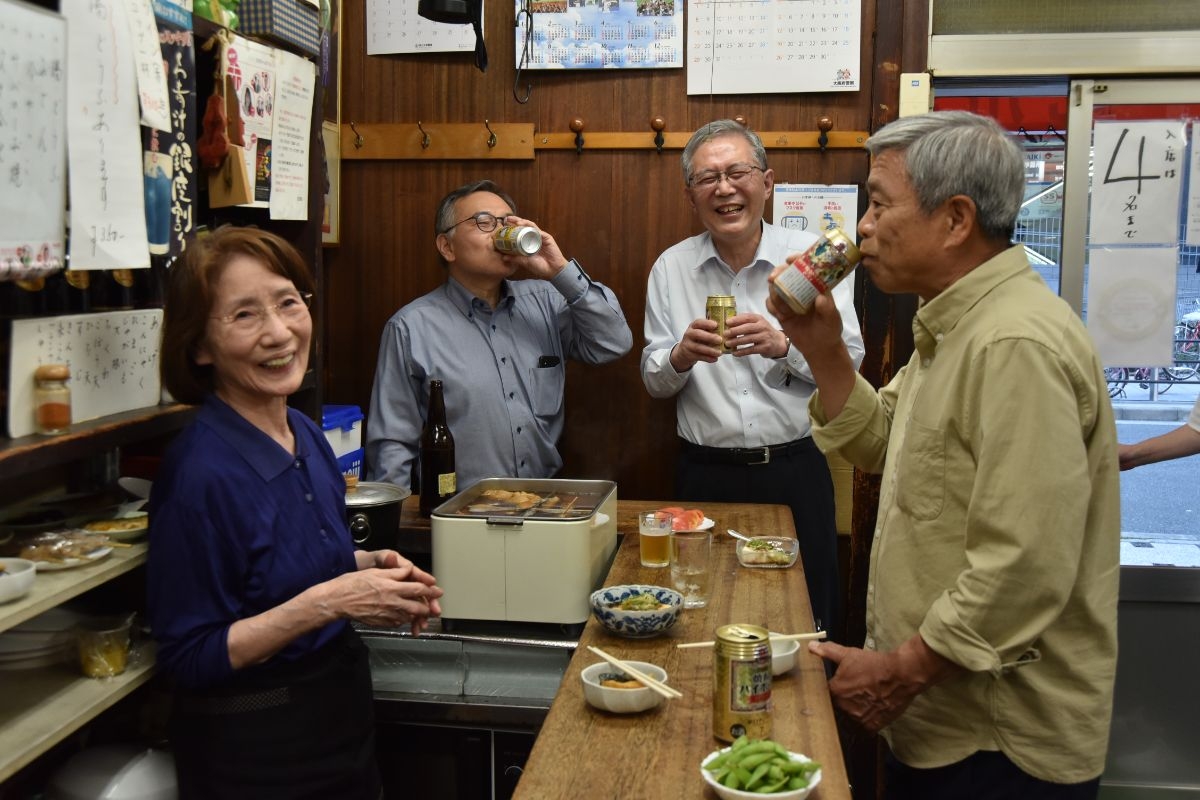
pixel 760 46
pixel 599 34
pixel 393 26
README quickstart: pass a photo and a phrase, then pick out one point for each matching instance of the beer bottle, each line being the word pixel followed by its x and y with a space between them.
pixel 112 289
pixel 67 292
pixel 438 482
pixel 23 298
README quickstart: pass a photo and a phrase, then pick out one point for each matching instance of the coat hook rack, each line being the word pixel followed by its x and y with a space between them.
pixel 824 125
pixel 358 139
pixel 741 120
pixel 577 127
pixel 658 124
pixel 425 140
pixel 491 141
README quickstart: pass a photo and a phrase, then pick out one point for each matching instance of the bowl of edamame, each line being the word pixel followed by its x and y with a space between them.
pixel 754 768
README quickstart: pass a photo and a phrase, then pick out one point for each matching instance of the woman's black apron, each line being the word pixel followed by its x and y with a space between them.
pixel 303 729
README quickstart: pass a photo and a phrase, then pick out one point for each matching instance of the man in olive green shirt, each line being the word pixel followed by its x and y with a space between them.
pixel 992 599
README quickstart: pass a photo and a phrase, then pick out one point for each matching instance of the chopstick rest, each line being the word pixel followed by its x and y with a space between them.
pixel 775 637
pixel 666 691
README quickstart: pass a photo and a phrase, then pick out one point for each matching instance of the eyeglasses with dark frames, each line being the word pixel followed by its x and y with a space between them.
pixel 484 220
pixel 737 174
pixel 293 307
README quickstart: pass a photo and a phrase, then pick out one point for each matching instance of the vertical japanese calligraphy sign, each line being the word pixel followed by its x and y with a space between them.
pixel 1136 182
pixel 168 159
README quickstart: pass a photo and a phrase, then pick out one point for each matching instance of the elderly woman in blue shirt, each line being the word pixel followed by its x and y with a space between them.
pixel 252 576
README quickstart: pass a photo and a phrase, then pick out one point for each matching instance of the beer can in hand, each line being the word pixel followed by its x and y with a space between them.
pixel 521 240
pixel 816 271
pixel 718 308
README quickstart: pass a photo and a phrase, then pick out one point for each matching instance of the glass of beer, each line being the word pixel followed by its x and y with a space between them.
pixel 654 538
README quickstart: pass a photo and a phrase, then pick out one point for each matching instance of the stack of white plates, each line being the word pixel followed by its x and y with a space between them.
pixel 45 640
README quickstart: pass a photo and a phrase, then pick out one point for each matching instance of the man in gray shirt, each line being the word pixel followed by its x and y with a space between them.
pixel 499 347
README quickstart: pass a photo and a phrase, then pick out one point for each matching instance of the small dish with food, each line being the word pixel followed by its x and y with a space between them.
pixel 605 687
pixel 791 776
pixel 636 611
pixel 16 578
pixel 768 552
pixel 783 655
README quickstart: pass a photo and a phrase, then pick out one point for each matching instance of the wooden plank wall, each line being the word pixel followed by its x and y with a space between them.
pixel 614 210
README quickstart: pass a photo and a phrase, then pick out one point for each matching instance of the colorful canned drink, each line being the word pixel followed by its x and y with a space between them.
pixel 816 271
pixel 522 240
pixel 718 308
pixel 741 682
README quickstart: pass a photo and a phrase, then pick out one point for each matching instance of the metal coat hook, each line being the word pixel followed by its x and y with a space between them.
pixel 1052 131
pixel 824 125
pixel 424 136
pixel 491 134
pixel 577 126
pixel 358 139
pixel 658 123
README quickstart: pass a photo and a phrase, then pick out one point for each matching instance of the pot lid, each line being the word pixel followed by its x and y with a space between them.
pixel 369 493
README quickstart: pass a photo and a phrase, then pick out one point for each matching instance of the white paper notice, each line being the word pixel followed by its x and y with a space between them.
pixel 1193 200
pixel 295 84
pixel 108 215
pixel 759 46
pixel 817 207
pixel 33 153
pixel 393 26
pixel 1131 304
pixel 1136 182
pixel 148 65
pixel 251 68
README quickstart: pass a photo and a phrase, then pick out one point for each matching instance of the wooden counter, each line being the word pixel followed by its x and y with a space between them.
pixel 582 752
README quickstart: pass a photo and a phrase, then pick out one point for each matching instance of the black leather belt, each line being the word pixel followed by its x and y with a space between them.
pixel 744 455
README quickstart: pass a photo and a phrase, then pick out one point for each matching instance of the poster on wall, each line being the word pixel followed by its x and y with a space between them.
pixel 32 214
pixel 168 159
pixel 251 71
pixel 1136 182
pixel 817 207
pixel 295 91
pixel 599 34
pixel 761 46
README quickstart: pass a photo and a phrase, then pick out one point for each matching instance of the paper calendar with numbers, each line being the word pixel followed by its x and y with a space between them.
pixel 393 26
pixel 601 34
pixel 759 46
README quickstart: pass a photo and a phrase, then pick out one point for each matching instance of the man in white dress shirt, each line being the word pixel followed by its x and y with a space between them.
pixel 742 418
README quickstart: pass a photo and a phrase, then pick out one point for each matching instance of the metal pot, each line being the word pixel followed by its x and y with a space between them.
pixel 373 514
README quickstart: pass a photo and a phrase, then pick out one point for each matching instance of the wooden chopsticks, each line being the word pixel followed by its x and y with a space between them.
pixel 666 691
pixel 775 637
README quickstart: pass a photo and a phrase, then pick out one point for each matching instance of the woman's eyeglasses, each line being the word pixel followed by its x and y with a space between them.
pixel 485 221
pixel 738 175
pixel 252 319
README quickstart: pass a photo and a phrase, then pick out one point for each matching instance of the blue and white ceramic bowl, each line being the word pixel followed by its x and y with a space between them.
pixel 636 624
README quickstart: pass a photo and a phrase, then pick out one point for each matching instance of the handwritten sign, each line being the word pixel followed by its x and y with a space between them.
pixel 1137 182
pixel 295 88
pixel 33 147
pixel 108 217
pixel 148 65
pixel 113 358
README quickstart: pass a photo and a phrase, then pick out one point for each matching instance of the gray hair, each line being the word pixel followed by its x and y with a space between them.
pixel 445 220
pixel 715 130
pixel 948 153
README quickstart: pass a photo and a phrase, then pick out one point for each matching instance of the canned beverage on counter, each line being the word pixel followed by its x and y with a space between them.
pixel 718 308
pixel 741 682
pixel 816 271
pixel 522 240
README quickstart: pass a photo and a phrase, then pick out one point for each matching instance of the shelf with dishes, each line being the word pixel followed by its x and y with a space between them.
pixel 53 588
pixel 41 707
